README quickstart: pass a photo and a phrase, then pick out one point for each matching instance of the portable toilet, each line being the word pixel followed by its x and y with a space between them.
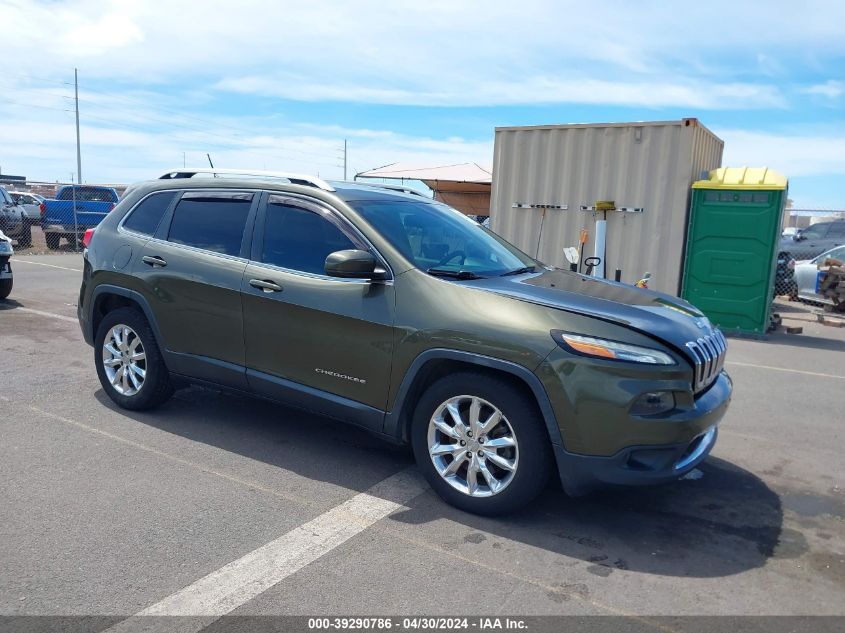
pixel 732 238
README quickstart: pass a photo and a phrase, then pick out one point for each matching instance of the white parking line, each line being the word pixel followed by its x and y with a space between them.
pixel 787 369
pixel 25 261
pixel 234 584
pixel 51 315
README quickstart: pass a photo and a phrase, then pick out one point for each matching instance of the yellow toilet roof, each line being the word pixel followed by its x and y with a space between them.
pixel 742 178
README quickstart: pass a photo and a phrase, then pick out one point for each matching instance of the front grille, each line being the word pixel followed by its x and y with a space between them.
pixel 708 356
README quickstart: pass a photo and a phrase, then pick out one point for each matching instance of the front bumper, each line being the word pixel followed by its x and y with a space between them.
pixel 651 463
pixel 5 267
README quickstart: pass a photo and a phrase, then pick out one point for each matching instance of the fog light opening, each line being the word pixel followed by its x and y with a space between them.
pixel 653 403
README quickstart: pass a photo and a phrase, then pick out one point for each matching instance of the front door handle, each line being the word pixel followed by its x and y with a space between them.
pixel 154 261
pixel 266 286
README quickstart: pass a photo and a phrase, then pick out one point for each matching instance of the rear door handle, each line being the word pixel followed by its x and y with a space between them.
pixel 154 261
pixel 266 286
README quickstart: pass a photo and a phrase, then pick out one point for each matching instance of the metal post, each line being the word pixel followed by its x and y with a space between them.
pixel 601 237
pixel 75 223
pixel 78 147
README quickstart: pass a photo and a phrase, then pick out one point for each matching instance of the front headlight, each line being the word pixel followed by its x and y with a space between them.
pixel 613 350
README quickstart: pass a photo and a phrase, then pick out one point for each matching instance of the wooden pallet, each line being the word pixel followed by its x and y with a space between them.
pixel 830 318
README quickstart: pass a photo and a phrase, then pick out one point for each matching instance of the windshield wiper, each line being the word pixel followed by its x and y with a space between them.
pixel 454 274
pixel 520 271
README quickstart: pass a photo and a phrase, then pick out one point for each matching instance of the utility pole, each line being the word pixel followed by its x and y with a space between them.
pixel 78 150
pixel 344 159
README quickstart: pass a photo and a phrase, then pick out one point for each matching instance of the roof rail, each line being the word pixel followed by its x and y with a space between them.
pixel 296 179
pixel 400 188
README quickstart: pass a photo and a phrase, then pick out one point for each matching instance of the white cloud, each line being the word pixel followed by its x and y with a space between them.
pixel 794 155
pixel 831 89
pixel 126 144
pixel 644 54
pixel 436 52
pixel 534 90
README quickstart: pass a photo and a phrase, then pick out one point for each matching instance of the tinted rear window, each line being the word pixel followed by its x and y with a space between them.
pixel 211 221
pixel 89 194
pixel 147 215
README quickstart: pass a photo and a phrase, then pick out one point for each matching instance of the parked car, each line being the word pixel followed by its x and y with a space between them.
pixel 91 204
pixel 13 220
pixel 807 272
pixel 399 314
pixel 815 239
pixel 6 252
pixel 31 203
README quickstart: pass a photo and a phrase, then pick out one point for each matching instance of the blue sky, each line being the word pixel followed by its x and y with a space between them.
pixel 279 86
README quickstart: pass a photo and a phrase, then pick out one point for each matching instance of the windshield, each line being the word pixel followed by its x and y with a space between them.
pixel 437 238
pixel 836 253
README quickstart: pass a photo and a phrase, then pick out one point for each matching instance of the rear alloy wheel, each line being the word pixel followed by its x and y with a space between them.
pixel 124 360
pixel 481 443
pixel 129 363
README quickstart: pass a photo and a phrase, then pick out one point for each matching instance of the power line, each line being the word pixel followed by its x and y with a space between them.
pixel 33 78
pixel 237 144
pixel 183 115
pixel 33 105
pixel 169 121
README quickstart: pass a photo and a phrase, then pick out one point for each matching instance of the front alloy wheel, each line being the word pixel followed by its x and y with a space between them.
pixel 124 360
pixel 473 446
pixel 481 442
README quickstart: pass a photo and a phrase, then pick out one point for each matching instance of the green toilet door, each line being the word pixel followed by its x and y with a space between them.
pixel 731 256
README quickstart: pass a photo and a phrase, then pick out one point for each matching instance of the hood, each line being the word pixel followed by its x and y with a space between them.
pixel 653 313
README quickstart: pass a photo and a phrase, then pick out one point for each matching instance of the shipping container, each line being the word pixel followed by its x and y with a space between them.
pixel 543 175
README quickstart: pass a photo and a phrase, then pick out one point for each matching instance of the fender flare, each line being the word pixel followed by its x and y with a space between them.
pixel 394 421
pixel 135 296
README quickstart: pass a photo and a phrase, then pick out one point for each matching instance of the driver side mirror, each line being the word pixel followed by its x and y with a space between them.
pixel 354 264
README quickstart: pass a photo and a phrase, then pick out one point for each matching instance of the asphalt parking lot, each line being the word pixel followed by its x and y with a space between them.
pixel 218 504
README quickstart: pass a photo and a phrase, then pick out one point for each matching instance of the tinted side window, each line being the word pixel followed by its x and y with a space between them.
pixel 211 221
pixel 836 230
pixel 146 216
pixel 815 231
pixel 300 239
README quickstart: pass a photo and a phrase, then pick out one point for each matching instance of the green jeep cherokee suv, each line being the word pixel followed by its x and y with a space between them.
pixel 399 314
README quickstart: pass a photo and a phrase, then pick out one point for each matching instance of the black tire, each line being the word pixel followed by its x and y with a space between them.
pixel 25 240
pixel 156 387
pixel 535 456
pixel 5 287
pixel 52 240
